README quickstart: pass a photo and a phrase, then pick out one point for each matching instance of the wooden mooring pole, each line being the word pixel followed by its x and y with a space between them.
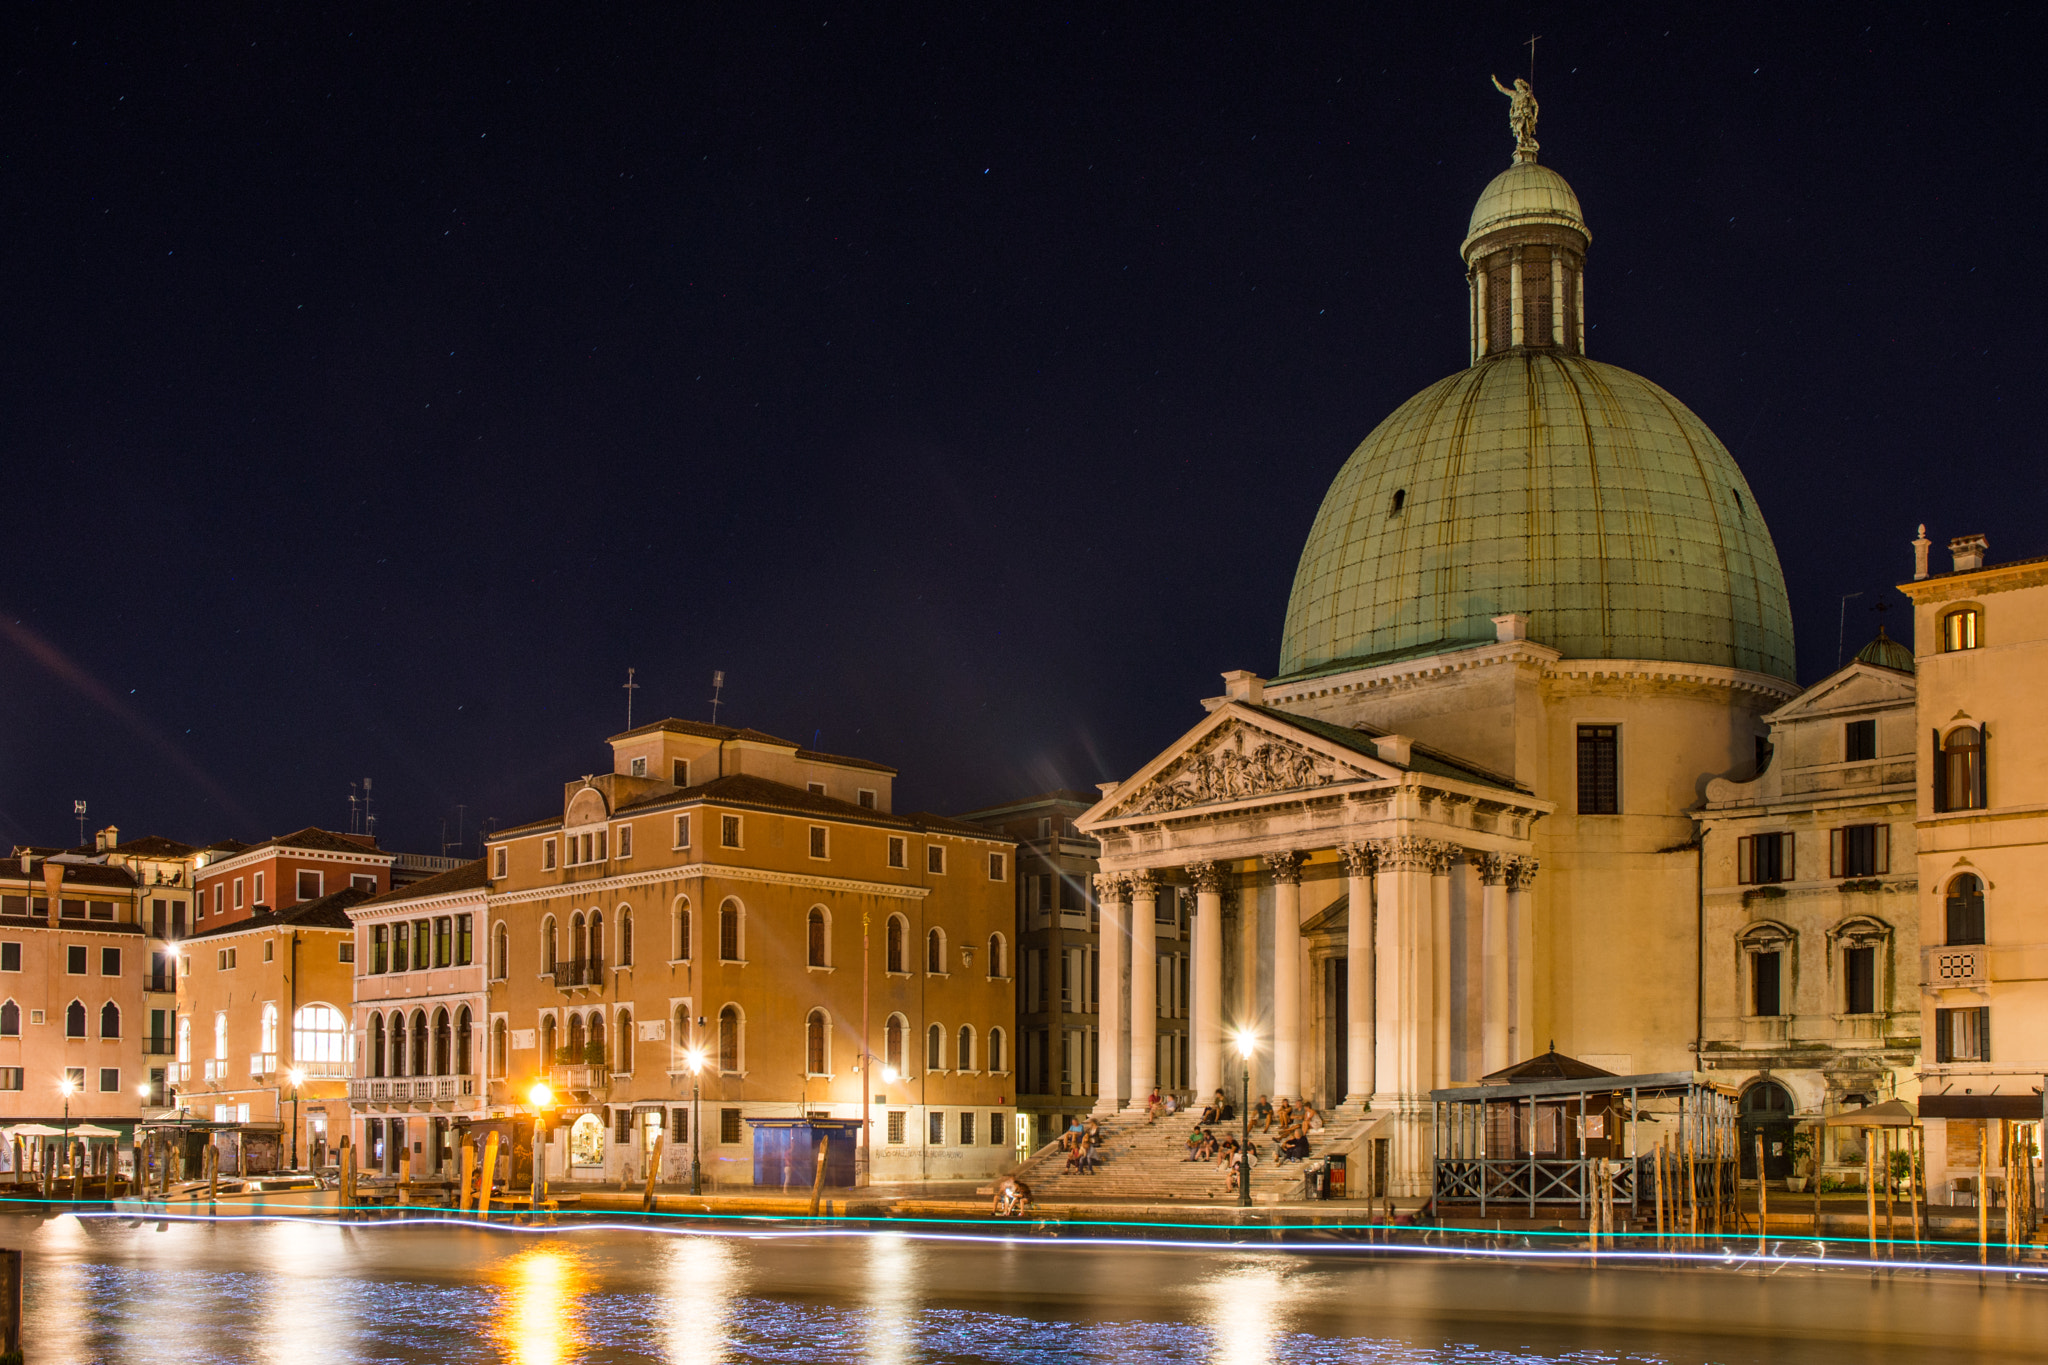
pixel 483 1187
pixel 10 1302
pixel 1763 1197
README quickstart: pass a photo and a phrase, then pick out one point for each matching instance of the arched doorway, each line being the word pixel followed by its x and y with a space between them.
pixel 1766 1111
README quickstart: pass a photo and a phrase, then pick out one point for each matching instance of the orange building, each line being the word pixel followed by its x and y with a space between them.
pixel 728 895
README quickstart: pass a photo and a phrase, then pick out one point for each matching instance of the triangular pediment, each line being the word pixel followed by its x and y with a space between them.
pixel 1858 685
pixel 1238 754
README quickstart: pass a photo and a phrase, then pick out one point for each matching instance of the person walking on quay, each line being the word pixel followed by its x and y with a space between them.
pixel 1262 1114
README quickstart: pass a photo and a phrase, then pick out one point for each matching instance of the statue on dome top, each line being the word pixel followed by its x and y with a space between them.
pixel 1521 116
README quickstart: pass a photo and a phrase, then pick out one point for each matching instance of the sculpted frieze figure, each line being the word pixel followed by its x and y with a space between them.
pixel 1237 764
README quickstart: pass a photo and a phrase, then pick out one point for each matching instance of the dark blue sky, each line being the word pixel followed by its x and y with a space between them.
pixel 380 385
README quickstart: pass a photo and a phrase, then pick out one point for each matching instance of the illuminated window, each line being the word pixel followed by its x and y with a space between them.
pixel 1959 780
pixel 1960 629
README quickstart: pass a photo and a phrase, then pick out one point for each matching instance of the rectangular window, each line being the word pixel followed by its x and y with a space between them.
pixel 75 1075
pixel 895 1124
pixel 678 1125
pixel 625 841
pixel 638 767
pixel 269 950
pixel 99 910
pixel 70 909
pixel 934 858
pixel 681 772
pixel 1859 978
pixel 346 950
pixel 728 1125
pixel 238 893
pixel 867 798
pixel 309 886
pixel 10 1078
pixel 380 956
pixel 729 830
pixel 815 788
pixel 547 855
pixel 365 882
pixel 1763 858
pixel 1963 1035
pixel 897 849
pixel 110 1079
pixel 74 959
pixel 1765 970
pixel 259 888
pixel 10 957
pixel 682 831
pixel 996 1125
pixel 110 962
pixel 1859 851
pixel 225 960
pixel 1859 741
pixel 501 859
pixel 444 941
pixel 622 1125
pixel 817 841
pixel 967 1128
pixel 937 1124
pixel 996 863
pixel 1599 769
pixel 217 889
pixel 465 945
pixel 401 948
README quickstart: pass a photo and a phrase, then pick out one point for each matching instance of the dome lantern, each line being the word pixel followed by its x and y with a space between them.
pixel 1525 252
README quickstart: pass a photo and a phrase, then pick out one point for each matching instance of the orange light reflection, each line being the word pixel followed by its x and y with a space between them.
pixel 542 1307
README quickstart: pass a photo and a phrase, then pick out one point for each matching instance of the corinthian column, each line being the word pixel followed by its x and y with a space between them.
pixel 1144 988
pixel 1441 856
pixel 1111 893
pixel 1494 956
pixel 1286 972
pixel 1358 974
pixel 1521 882
pixel 1208 1002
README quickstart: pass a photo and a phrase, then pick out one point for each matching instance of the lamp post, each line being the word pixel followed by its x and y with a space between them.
pixel 695 1058
pixel 1245 1043
pixel 297 1076
pixel 67 1087
pixel 540 1097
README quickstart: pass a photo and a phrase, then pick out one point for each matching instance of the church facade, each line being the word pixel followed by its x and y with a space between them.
pixel 1537 614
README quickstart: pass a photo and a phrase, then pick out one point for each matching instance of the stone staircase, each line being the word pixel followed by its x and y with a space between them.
pixel 1146 1161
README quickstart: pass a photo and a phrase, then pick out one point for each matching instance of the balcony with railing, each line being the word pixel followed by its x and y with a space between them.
pixel 579 1077
pixel 153 1046
pixel 161 982
pixel 262 1063
pixel 216 1069
pixel 411 1089
pixel 581 973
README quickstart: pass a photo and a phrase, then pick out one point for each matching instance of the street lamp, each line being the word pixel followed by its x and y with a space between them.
pixel 695 1058
pixel 540 1097
pixel 1245 1043
pixel 297 1076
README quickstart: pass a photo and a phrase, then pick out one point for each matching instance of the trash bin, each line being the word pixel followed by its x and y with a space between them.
pixel 1316 1180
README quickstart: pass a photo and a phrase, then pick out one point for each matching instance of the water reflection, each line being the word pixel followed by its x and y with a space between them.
pixel 1242 1310
pixel 540 1313
pixel 891 1282
pixel 704 1286
pixel 304 1321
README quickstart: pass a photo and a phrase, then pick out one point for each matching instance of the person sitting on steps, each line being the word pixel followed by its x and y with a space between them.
pixel 1262 1114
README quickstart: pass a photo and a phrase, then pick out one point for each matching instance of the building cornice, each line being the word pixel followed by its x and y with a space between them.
pixel 363 912
pixel 264 853
pixel 2028 573
pixel 1658 670
pixel 731 871
pixel 1411 670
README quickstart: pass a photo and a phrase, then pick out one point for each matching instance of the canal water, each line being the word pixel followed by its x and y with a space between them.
pixel 302 1293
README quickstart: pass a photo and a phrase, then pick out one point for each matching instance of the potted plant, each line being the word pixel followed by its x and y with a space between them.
pixel 1802 1160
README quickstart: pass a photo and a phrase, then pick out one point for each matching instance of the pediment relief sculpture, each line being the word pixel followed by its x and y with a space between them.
pixel 1232 764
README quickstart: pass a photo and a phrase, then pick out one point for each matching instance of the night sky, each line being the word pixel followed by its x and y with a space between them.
pixel 378 386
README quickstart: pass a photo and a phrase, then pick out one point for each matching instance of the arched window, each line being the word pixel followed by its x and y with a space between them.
pixel 729 1024
pixel 462 1062
pixel 398 1052
pixel 549 1056
pixel 1965 911
pixel 1959 776
pixel 1961 628
pixel 596 939
pixel 817 1061
pixel 577 953
pixel 685 1036
pixel 1768 948
pixel 443 1042
pixel 547 945
pixel 935 952
pixel 729 940
pixel 934 1048
pixel 110 1020
pixel 501 952
pixel 220 1035
pixel 574 1054
pixel 597 1055
pixel 267 1031
pixel 894 954
pixel 998 957
pixel 625 936
pixel 1862 944
pixel 682 929
pixel 622 1052
pixel 74 1019
pixel 185 1039
pixel 376 1045
pixel 995 1049
pixel 815 938
pixel 320 1038
pixel 10 1020
pixel 499 1049
pixel 892 1044
pixel 963 1051
pixel 1766 1102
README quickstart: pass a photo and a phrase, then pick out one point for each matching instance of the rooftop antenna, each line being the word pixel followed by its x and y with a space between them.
pixel 631 687
pixel 369 814
pixel 717 686
pixel 1532 56
pixel 461 820
pixel 1842 626
pixel 355 811
pixel 78 809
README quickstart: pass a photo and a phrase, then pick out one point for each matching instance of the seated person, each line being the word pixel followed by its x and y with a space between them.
pixel 1210 1115
pixel 1262 1114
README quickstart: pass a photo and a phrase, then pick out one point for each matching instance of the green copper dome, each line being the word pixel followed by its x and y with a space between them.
pixel 1540 481
pixel 1886 652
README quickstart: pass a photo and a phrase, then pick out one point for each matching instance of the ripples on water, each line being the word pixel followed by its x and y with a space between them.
pixel 302 1294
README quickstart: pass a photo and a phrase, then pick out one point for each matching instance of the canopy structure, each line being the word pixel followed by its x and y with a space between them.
pixel 91 1130
pixel 26 1130
pixel 1890 1114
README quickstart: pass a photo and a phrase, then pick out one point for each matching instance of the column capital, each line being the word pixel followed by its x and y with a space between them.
pixel 1206 876
pixel 1286 867
pixel 1408 852
pixel 1359 859
pixel 1112 886
pixel 1493 868
pixel 1522 873
pixel 1143 886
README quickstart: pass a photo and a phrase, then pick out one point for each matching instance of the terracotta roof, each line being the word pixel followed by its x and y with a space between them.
pixel 154 846
pixel 946 824
pixel 329 912
pixel 312 837
pixel 726 732
pixel 75 874
pixel 1549 1066
pixel 227 846
pixel 468 877
pixel 748 789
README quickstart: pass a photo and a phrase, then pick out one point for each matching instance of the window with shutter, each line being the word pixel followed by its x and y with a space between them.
pixel 1599 769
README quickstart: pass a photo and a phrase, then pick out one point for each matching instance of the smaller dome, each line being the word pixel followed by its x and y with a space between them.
pixel 1526 194
pixel 1885 652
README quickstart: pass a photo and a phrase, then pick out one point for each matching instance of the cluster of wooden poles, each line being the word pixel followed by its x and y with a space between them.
pixel 478 1176
pixel 79 1170
pixel 1695 1184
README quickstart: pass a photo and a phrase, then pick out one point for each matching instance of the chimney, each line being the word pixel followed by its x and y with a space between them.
pixel 1921 544
pixel 1513 626
pixel 1394 748
pixel 1969 552
pixel 1241 684
pixel 106 838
